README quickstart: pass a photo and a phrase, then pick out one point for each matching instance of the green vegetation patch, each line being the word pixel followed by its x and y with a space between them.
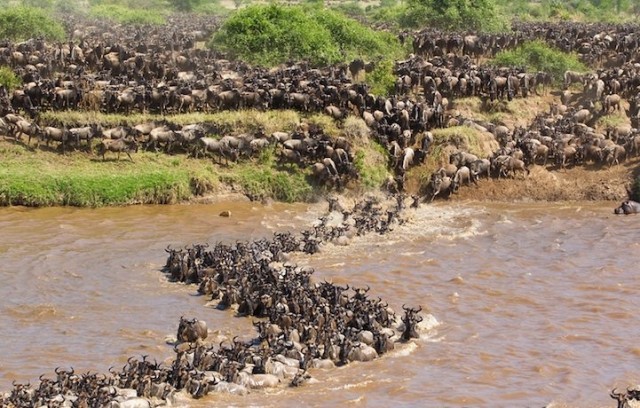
pixel 264 181
pixel 372 166
pixel 597 11
pixel 9 79
pixel 273 34
pixel 21 23
pixel 539 56
pixel 130 16
pixel 458 15
pixel 46 178
pixel 237 121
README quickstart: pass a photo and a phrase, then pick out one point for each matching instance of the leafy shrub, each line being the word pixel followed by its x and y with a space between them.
pixel 539 56
pixel 381 79
pixel 21 23
pixel 273 34
pixel 124 15
pixel 9 79
pixel 465 15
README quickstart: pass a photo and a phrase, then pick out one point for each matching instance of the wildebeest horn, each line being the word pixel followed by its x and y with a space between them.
pixel 56 370
pixel 168 249
pixel 614 394
pixel 41 375
pixel 368 288
pixel 419 309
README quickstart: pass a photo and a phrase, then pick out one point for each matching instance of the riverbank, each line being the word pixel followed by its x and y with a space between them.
pixel 38 178
pixel 43 176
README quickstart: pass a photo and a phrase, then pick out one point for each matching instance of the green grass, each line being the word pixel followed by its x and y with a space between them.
pixel 539 56
pixel 41 177
pixel 262 182
pixel 247 120
pixel 371 164
pixel 129 16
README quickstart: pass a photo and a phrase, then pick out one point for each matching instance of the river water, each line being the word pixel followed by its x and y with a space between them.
pixel 535 303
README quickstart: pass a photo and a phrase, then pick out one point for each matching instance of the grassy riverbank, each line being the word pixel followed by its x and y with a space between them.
pixel 40 178
pixel 43 177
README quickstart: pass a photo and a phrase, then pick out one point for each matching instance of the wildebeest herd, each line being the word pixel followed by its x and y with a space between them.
pixel 163 71
pixel 301 324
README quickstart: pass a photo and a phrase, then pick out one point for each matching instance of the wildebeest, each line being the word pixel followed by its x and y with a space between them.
pixel 61 135
pixel 191 330
pixel 117 146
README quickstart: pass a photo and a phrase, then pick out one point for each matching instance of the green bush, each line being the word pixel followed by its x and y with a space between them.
pixel 465 15
pixel 381 79
pixel 9 79
pixel 539 56
pixel 21 23
pixel 124 15
pixel 273 34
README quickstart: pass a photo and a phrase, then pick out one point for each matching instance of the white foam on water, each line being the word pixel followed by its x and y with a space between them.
pixel 351 386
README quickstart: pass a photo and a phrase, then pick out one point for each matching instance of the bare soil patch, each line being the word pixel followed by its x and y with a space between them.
pixel 545 184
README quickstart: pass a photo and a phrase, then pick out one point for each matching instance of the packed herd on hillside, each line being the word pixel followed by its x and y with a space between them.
pixel 163 71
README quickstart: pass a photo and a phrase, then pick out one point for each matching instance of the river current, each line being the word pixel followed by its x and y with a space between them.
pixel 531 303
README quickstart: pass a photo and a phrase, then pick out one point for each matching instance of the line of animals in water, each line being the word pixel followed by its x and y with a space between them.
pixel 301 325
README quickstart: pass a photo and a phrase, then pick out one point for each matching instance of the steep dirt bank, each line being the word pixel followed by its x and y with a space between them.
pixel 575 184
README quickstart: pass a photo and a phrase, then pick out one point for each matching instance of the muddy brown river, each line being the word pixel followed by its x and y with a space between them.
pixel 535 303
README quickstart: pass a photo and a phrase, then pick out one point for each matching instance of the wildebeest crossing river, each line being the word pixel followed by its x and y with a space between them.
pixel 537 302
